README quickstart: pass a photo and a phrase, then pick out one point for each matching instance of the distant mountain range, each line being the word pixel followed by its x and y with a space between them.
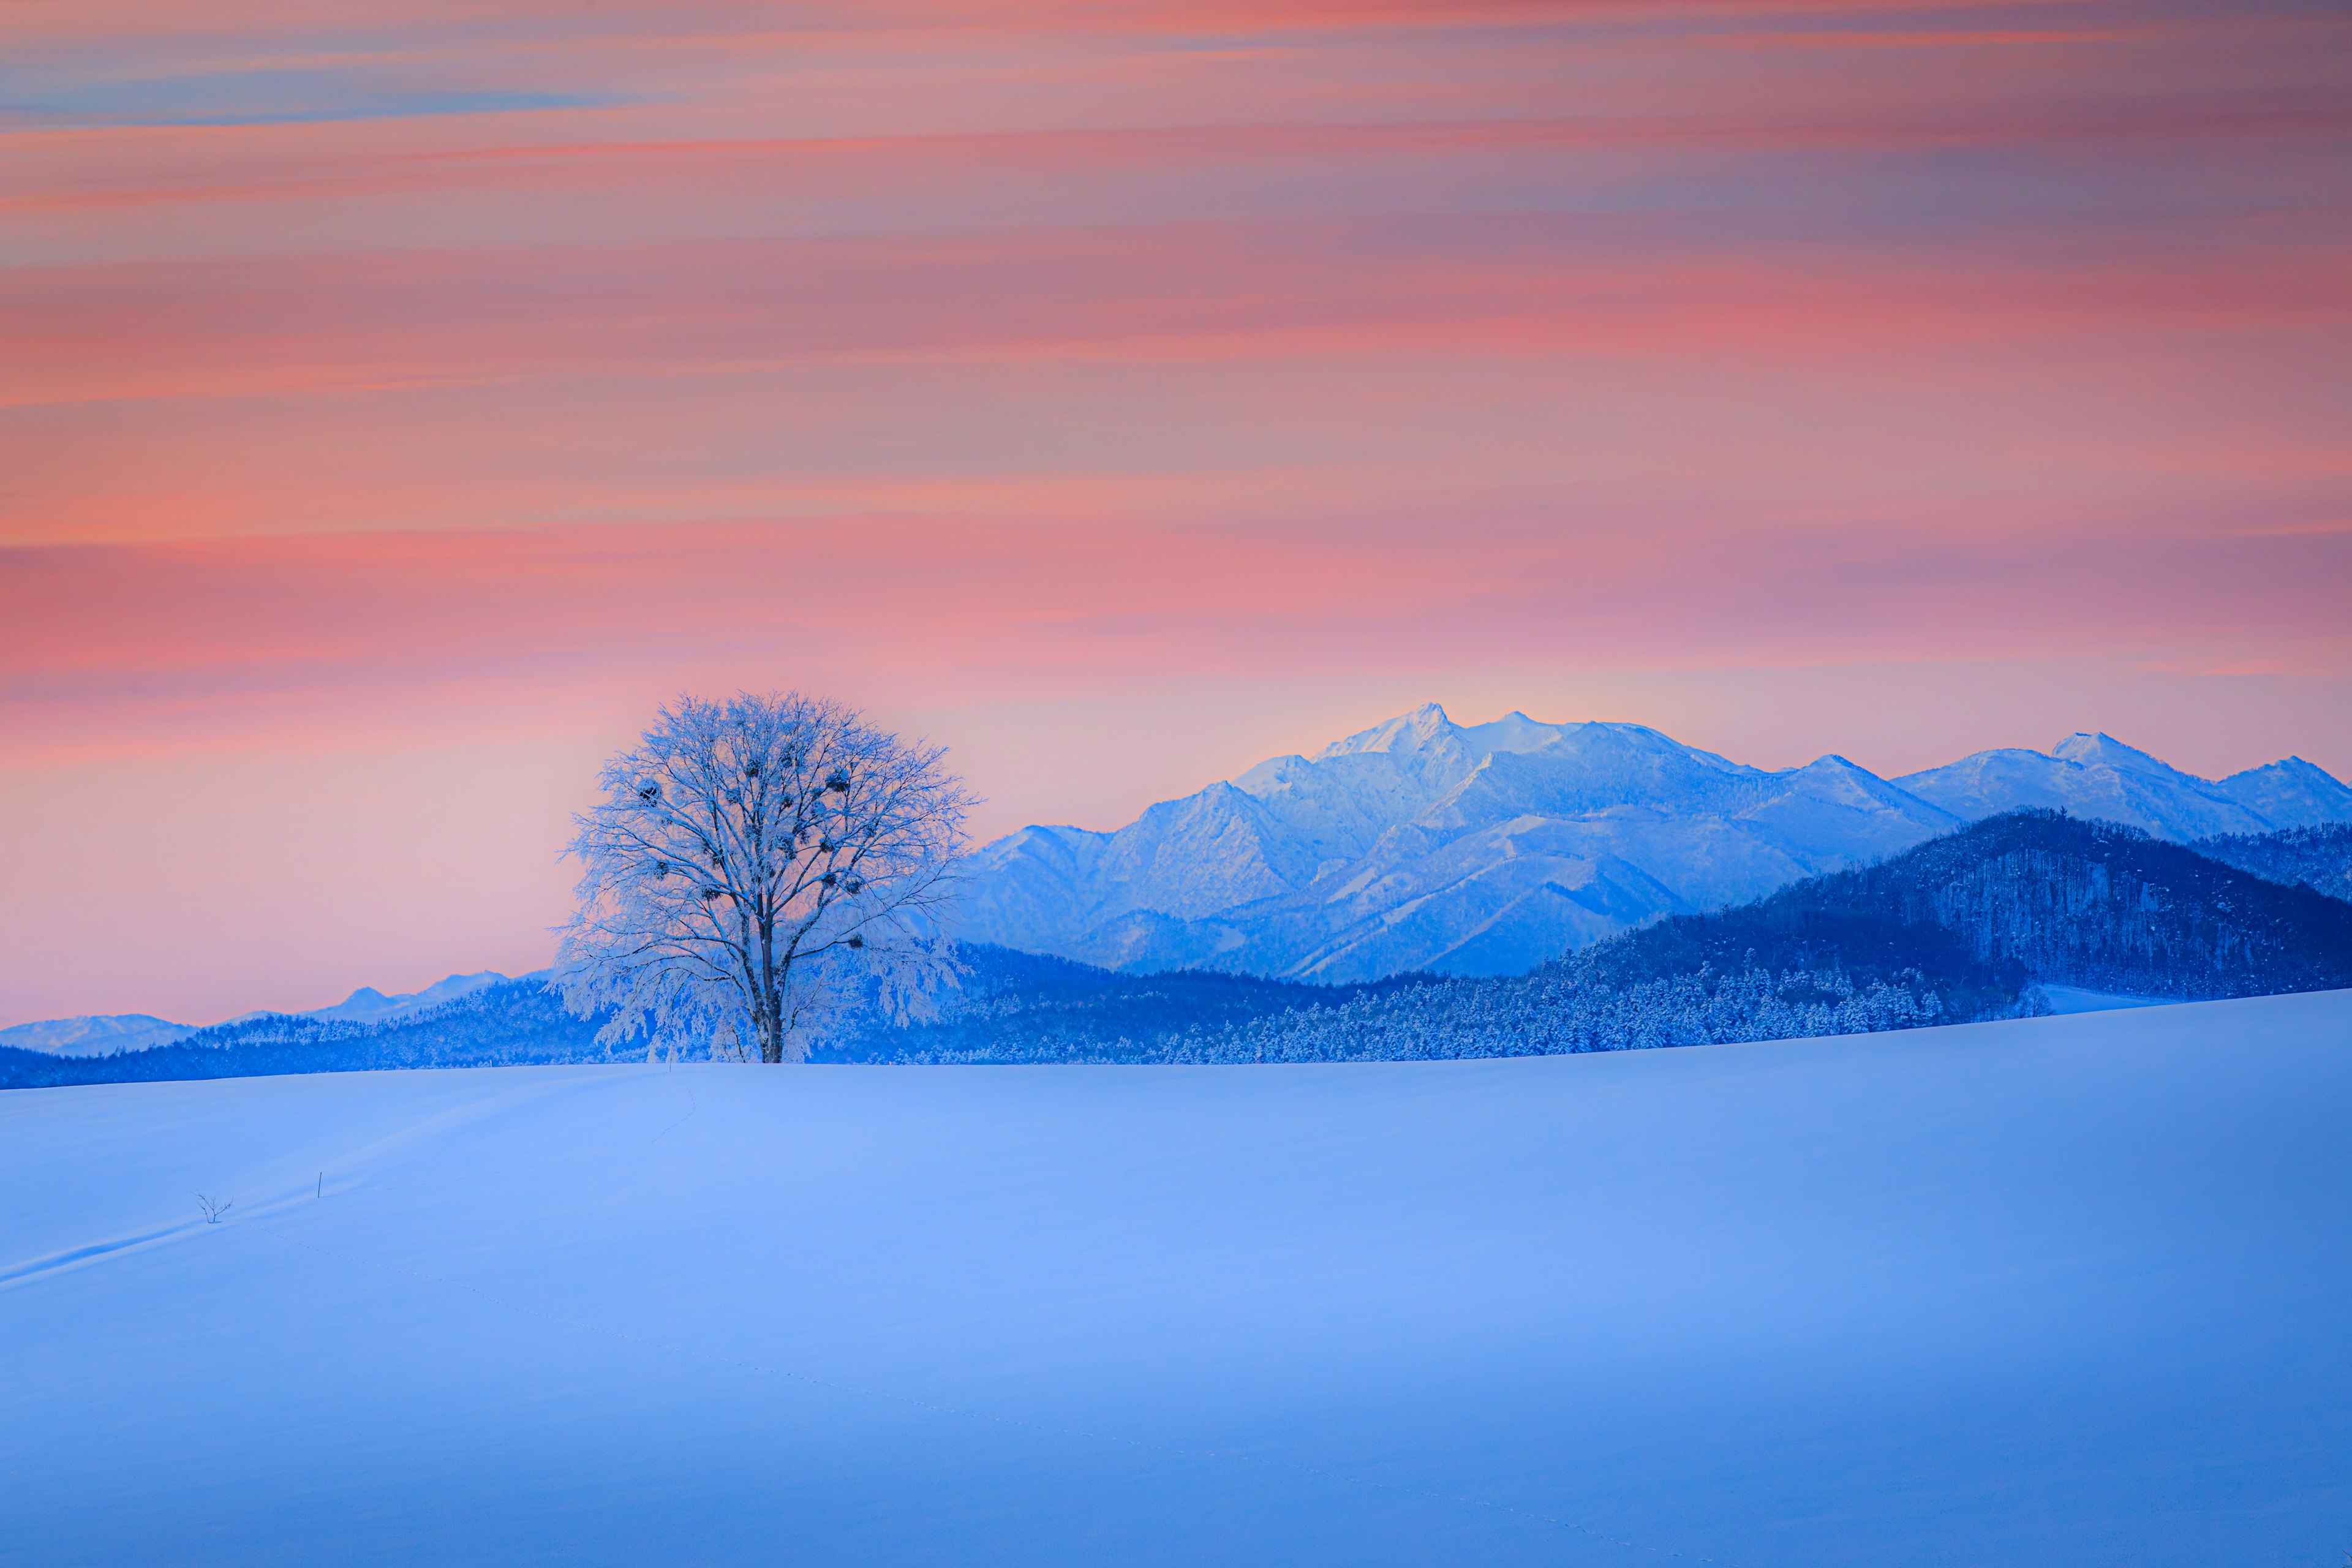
pixel 1970 925
pixel 2098 776
pixel 93 1037
pixel 508 1023
pixel 1425 845
pixel 105 1035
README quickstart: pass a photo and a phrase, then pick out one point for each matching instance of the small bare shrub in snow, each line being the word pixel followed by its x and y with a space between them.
pixel 213 1208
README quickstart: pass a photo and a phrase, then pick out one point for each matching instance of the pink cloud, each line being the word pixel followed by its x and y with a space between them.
pixel 426 380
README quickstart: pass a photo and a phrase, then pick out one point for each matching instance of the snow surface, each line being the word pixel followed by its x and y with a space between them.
pixel 2079 999
pixel 2068 1290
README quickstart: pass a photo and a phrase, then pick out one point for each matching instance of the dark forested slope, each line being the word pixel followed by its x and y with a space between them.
pixel 2028 895
pixel 1024 1007
pixel 2318 857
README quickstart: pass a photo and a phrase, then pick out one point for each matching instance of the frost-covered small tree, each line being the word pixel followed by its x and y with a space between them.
pixel 751 864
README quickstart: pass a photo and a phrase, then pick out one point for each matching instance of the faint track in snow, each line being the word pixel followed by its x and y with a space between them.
pixel 290 1193
pixel 58 1262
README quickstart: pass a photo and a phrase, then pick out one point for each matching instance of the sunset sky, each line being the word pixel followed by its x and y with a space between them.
pixel 399 399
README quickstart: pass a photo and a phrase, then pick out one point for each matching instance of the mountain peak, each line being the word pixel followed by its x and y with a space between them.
pixel 368 1005
pixel 1429 725
pixel 2103 748
pixel 1405 732
pixel 2291 793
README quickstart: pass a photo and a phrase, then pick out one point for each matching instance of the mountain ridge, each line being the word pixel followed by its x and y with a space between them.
pixel 95 1034
pixel 1419 842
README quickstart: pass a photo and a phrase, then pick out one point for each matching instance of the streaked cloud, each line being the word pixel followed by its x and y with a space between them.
pixel 405 373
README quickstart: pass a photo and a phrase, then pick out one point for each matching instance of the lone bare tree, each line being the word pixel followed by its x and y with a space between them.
pixel 753 862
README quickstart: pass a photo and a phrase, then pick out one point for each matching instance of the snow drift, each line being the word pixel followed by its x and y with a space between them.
pixel 2061 1291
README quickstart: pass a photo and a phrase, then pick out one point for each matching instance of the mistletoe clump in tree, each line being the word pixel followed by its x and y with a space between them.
pixel 751 865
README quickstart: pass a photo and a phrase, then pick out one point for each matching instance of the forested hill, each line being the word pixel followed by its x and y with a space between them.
pixel 1023 1006
pixel 2318 857
pixel 1962 928
pixel 513 1022
pixel 2029 896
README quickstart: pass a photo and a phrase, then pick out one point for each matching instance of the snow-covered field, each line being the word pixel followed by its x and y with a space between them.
pixel 2075 1290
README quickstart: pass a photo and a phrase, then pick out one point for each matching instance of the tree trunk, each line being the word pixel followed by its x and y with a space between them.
pixel 771 1030
pixel 772 1003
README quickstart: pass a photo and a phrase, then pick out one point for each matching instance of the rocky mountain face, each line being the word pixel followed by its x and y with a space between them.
pixel 1421 844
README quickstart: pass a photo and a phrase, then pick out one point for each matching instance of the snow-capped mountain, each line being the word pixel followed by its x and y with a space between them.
pixel 2098 775
pixel 93 1037
pixel 2290 794
pixel 1424 844
pixel 1487 848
